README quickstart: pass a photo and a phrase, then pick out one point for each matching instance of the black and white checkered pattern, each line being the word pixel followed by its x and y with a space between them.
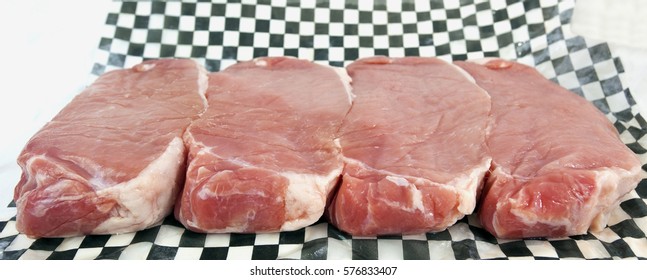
pixel 336 33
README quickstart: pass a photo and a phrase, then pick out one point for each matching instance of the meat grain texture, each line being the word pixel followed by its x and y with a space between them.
pixel 263 157
pixel 558 166
pixel 112 161
pixel 408 145
pixel 413 146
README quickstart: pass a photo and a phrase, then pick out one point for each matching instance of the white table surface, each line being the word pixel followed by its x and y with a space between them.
pixel 47 52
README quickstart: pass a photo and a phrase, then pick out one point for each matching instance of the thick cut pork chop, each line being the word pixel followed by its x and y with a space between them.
pixel 558 167
pixel 414 147
pixel 263 157
pixel 112 160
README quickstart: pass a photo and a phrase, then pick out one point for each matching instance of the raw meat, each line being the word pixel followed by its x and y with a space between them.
pixel 414 147
pixel 263 157
pixel 559 166
pixel 112 161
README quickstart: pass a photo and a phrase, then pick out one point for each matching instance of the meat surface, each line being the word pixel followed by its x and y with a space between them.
pixel 111 161
pixel 414 147
pixel 558 167
pixel 263 157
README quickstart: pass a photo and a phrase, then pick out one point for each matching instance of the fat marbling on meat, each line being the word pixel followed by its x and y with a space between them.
pixel 413 145
pixel 263 157
pixel 111 161
pixel 558 167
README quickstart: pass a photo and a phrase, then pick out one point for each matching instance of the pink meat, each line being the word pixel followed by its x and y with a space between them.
pixel 112 160
pixel 263 157
pixel 414 147
pixel 558 167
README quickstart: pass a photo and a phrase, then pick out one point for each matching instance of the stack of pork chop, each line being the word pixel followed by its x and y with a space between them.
pixel 385 146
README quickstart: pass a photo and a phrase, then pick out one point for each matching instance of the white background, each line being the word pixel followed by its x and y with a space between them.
pixel 46 50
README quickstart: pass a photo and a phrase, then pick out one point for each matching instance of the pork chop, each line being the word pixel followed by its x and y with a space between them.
pixel 111 161
pixel 263 157
pixel 414 147
pixel 558 167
